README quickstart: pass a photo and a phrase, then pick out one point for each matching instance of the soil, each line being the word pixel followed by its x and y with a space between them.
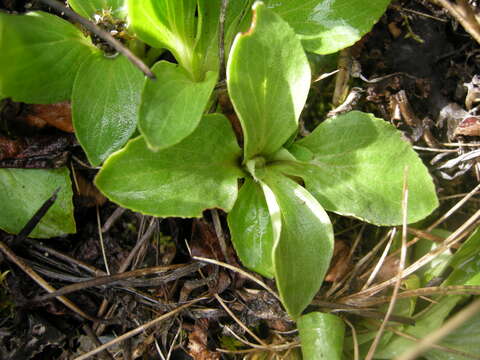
pixel 411 70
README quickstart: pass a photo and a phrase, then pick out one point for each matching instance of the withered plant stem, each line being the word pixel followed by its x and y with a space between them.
pixel 137 330
pixel 117 45
pixel 42 282
pixel 401 266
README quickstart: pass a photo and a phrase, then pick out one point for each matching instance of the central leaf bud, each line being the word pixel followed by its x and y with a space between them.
pixel 256 167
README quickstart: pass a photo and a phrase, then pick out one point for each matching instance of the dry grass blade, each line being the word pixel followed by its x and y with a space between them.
pixel 445 216
pixel 359 266
pixel 434 290
pixel 238 270
pixel 125 264
pixel 450 241
pixel 380 262
pixel 449 326
pixel 256 348
pixel 356 355
pixel 176 272
pixel 137 330
pixel 401 266
pixel 454 208
pixel 102 244
pixel 237 320
pixel 337 284
pixel 439 347
pixel 40 281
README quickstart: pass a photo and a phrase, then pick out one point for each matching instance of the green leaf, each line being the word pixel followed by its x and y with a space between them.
pixel 438 264
pixel 251 229
pixel 167 23
pixel 431 320
pixel 326 26
pixel 466 264
pixel 172 106
pixel 303 241
pixel 354 165
pixel 465 338
pixel 105 115
pixel 268 79
pixel 198 173
pixel 42 53
pixel 321 336
pixel 23 192
pixel 88 8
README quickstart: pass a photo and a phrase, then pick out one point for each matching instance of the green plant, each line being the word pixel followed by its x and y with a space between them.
pixel 351 164
pixel 185 162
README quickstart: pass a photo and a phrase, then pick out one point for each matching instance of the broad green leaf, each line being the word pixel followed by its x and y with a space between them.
pixel 172 105
pixel 23 192
pixel 40 55
pixel 167 23
pixel 326 26
pixel 303 241
pixel 268 79
pixel 466 262
pixel 251 229
pixel 198 173
pixel 354 165
pixel 321 336
pixel 105 115
pixel 88 8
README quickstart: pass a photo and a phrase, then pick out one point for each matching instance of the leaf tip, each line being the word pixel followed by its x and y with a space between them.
pixel 251 29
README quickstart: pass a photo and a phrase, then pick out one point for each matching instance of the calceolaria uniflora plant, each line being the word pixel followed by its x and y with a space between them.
pixel 352 164
pixel 186 161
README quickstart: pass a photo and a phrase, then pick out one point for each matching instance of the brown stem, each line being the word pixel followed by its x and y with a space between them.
pixel 464 14
pixel 117 45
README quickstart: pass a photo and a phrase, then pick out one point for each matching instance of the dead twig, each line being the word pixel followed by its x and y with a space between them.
pixel 117 45
pixel 114 217
pixel 221 38
pixel 220 235
pixel 88 330
pixel 43 283
pixel 176 272
pixel 35 219
pixel 237 320
pixel 464 14
pixel 238 270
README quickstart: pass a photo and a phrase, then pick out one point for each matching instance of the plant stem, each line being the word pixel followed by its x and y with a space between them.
pixel 221 39
pixel 117 45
